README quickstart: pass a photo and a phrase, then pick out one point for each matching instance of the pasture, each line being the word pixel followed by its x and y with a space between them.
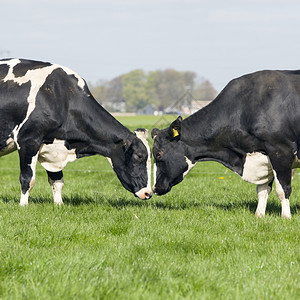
pixel 200 241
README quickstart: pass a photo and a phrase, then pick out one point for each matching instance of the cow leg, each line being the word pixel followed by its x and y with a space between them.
pixel 56 182
pixel 27 175
pixel 283 190
pixel 263 191
pixel 282 159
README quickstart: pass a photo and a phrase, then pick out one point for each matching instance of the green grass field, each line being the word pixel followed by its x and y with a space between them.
pixel 200 241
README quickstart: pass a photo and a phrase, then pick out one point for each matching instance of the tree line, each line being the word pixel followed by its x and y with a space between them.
pixel 161 89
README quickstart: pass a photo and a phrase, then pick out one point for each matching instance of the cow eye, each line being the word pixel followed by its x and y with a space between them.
pixel 138 156
pixel 158 155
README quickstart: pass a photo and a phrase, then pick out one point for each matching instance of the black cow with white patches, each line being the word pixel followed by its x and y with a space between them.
pixel 251 128
pixel 48 114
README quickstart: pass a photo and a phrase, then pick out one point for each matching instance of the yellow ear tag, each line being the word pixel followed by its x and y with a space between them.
pixel 175 132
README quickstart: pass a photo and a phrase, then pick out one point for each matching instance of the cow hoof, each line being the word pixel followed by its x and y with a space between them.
pixel 24 199
pixel 285 209
pixel 259 214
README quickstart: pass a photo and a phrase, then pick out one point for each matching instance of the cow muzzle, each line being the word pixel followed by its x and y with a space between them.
pixel 157 190
pixel 144 193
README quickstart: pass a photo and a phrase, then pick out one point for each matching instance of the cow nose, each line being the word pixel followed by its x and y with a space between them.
pixel 148 195
pixel 160 190
pixel 154 189
pixel 144 194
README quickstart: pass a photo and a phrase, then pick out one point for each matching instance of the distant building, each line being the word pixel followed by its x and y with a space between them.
pixel 115 106
pixel 147 110
pixel 172 110
pixel 193 106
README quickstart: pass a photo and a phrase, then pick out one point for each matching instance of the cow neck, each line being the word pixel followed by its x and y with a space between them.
pixel 209 137
pixel 98 131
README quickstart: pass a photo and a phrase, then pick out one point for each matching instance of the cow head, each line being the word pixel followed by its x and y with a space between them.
pixel 171 161
pixel 131 161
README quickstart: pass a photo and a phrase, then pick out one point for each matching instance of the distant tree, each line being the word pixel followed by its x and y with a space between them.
pixel 108 91
pixel 161 88
pixel 151 86
pixel 115 89
pixel 134 91
pixel 167 86
pixel 99 90
pixel 204 91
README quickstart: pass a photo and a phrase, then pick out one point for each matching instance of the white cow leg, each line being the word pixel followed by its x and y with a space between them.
pixel 285 209
pixel 56 182
pixel 57 186
pixel 24 199
pixel 27 181
pixel 285 203
pixel 263 191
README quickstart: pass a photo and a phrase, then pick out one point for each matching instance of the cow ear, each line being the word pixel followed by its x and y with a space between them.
pixel 127 143
pixel 154 132
pixel 175 128
pixel 142 133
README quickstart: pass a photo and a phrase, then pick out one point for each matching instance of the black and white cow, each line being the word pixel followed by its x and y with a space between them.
pixel 251 128
pixel 47 113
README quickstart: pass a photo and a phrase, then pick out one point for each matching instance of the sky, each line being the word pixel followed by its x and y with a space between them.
pixel 218 39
